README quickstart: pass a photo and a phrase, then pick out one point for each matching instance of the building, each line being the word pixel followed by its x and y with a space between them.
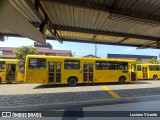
pixel 142 58
pixel 39 45
pixel 90 56
pixel 7 52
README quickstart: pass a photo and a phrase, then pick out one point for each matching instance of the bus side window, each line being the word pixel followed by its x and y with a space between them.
pixel 101 65
pixel 150 67
pixel 123 65
pixel 21 67
pixel 98 65
pixel 155 68
pixel 138 67
pixel 37 63
pixel 71 64
pixel 112 65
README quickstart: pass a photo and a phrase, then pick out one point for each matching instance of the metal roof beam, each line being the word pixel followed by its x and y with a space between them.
pixel 83 41
pixel 1 37
pixel 122 40
pixel 34 8
pixel 114 4
pixel 100 32
pixel 146 45
pixel 95 42
pixel 13 21
pixel 93 38
pixel 158 43
pixel 104 43
pixel 110 9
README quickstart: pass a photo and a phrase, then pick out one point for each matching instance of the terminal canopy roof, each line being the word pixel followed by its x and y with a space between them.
pixel 114 22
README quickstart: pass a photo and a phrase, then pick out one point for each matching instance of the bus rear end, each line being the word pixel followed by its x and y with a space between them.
pixel 36 69
pixel 2 71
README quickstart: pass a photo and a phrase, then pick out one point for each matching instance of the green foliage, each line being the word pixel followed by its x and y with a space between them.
pixel 23 51
pixel 138 61
pixel 154 61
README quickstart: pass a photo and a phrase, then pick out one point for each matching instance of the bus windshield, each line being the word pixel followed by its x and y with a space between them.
pixel 2 66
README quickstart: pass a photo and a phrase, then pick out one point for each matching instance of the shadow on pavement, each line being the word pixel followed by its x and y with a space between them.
pixel 10 83
pixel 87 84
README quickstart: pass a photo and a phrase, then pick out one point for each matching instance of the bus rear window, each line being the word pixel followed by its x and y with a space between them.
pixel 71 64
pixel 37 63
pixel 2 66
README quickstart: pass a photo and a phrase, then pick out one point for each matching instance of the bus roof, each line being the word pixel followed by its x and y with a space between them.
pixel 149 64
pixel 81 58
pixel 9 60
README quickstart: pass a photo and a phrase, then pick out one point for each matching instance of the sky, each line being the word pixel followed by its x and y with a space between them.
pixel 81 49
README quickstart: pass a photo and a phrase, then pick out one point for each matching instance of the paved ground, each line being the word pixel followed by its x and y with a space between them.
pixel 14 89
pixel 115 109
pixel 36 94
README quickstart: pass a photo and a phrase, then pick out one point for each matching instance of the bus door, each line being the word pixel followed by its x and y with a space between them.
pixel 54 72
pixel 145 72
pixel 10 72
pixel 88 72
pixel 132 72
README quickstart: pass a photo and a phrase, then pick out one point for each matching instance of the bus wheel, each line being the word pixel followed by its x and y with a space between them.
pixel 155 77
pixel 0 80
pixel 72 81
pixel 122 80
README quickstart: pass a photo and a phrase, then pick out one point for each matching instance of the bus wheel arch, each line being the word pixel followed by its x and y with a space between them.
pixel 72 81
pixel 155 77
pixel 0 80
pixel 122 79
pixel 9 82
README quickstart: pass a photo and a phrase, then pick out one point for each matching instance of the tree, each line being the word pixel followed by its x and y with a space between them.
pixel 154 60
pixel 138 61
pixel 23 51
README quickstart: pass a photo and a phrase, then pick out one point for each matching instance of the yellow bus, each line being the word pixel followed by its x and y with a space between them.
pixel 72 70
pixel 11 70
pixel 148 71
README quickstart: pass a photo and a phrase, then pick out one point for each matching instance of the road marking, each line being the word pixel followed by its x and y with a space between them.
pixel 115 95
